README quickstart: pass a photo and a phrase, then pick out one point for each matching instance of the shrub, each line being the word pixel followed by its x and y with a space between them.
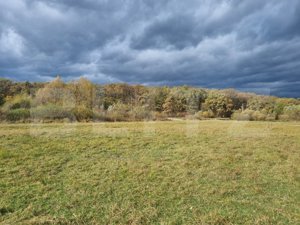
pixel 2 100
pixel 101 115
pixel 18 102
pixel 191 117
pixel 51 112
pixel 242 116
pixel 291 113
pixel 139 113
pixel 258 116
pixel 284 117
pixel 2 115
pixel 118 112
pixel 271 117
pixel 252 115
pixel 83 114
pixel 219 104
pixel 18 115
pixel 159 116
pixel 24 103
pixel 205 115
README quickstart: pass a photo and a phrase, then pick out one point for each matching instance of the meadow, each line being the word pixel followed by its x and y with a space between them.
pixel 167 172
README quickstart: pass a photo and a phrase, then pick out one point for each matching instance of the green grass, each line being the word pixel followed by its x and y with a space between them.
pixel 179 172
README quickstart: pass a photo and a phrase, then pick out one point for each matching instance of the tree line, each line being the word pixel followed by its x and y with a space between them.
pixel 82 100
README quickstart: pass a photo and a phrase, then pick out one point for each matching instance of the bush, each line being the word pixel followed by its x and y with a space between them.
pixel 242 116
pixel 284 117
pixel 271 117
pixel 18 102
pixel 24 103
pixel 139 113
pixel 2 115
pixel 159 116
pixel 2 100
pixel 118 112
pixel 205 115
pixel 123 112
pixel 251 115
pixel 219 104
pixel 18 115
pixel 191 117
pixel 258 116
pixel 51 112
pixel 83 114
pixel 291 113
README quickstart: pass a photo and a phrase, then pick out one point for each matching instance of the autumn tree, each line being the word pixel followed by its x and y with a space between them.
pixel 53 93
pixel 265 104
pixel 194 98
pixel 140 95
pixel 159 95
pixel 114 93
pixel 176 102
pixel 219 104
pixel 239 99
pixel 84 92
pixel 84 101
pixel 169 107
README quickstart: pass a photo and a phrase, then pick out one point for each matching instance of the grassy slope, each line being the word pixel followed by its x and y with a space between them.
pixel 201 172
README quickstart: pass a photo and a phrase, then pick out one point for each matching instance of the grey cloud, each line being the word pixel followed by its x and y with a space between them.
pixel 248 45
pixel 177 31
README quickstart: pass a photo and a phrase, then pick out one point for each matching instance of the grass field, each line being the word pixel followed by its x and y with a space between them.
pixel 179 172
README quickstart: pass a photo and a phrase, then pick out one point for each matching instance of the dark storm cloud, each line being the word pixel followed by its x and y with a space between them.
pixel 251 45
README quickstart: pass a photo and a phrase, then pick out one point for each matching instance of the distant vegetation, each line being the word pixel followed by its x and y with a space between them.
pixel 82 100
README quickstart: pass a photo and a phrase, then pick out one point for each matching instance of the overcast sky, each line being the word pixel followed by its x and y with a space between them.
pixel 251 45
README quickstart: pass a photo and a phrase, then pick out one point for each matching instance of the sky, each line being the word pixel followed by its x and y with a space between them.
pixel 250 45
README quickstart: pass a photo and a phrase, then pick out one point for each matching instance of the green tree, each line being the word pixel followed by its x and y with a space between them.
pixel 5 86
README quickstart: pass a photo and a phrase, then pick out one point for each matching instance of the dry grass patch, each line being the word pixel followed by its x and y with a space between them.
pixel 176 172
